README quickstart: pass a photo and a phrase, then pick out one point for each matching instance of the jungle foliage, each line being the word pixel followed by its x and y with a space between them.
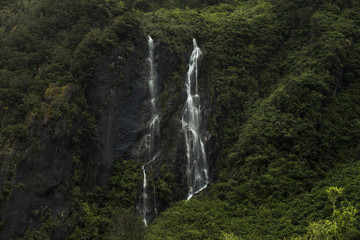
pixel 286 76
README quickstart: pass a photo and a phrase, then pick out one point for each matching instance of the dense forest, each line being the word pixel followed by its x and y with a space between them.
pixel 279 85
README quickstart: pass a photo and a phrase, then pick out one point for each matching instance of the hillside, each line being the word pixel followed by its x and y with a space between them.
pixel 113 113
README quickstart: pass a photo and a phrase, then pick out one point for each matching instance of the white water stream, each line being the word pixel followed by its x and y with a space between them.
pixel 152 138
pixel 196 167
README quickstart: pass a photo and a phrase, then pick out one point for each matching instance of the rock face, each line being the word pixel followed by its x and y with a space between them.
pixel 37 174
pixel 121 97
pixel 118 97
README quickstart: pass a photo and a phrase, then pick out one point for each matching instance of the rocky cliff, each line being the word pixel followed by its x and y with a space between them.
pixel 121 101
pixel 45 168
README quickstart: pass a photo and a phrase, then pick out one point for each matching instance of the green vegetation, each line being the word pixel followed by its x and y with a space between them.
pixel 285 77
pixel 287 117
pixel 342 224
pixel 112 215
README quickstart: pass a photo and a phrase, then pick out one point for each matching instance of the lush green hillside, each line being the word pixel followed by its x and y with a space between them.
pixel 286 76
pixel 286 79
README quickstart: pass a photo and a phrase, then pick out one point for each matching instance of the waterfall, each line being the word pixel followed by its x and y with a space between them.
pixel 144 196
pixel 152 138
pixel 196 167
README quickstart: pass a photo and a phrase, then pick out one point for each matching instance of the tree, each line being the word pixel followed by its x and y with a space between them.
pixel 340 227
pixel 229 236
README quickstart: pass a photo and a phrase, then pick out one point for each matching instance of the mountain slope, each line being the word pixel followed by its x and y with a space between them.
pixel 279 87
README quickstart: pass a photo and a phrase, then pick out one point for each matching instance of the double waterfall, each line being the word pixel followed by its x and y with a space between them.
pixel 196 163
pixel 196 167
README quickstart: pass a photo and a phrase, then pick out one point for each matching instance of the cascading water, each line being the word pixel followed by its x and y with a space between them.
pixel 196 167
pixel 152 138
